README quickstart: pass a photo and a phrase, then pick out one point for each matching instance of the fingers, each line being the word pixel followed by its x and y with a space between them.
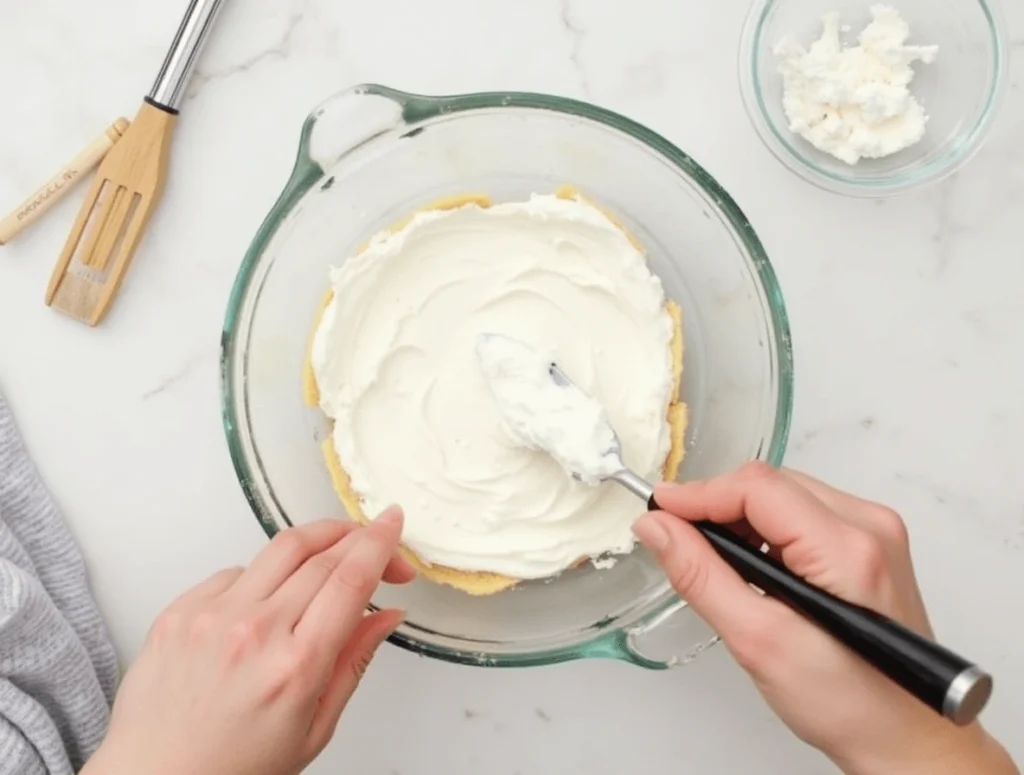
pixel 841 555
pixel 837 500
pixel 337 608
pixel 217 584
pixel 295 594
pixel 349 668
pixel 880 520
pixel 809 536
pixel 890 531
pixel 288 550
pixel 777 507
pixel 700 576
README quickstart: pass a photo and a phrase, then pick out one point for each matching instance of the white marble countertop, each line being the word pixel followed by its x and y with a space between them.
pixel 906 317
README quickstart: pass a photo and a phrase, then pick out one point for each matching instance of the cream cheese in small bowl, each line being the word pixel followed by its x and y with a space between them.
pixel 873 99
pixel 855 102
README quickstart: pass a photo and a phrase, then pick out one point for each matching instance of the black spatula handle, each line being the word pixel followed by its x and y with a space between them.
pixel 946 682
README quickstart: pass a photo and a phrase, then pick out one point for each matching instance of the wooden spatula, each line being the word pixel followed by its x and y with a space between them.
pixel 128 185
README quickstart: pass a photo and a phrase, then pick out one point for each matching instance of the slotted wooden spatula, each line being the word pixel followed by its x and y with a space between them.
pixel 128 185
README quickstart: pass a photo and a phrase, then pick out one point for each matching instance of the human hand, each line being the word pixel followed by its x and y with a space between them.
pixel 858 551
pixel 248 673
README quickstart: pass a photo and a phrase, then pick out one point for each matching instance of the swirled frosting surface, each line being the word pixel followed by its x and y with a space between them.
pixel 416 423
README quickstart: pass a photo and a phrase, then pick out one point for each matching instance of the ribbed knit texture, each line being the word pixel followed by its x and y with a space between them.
pixel 58 670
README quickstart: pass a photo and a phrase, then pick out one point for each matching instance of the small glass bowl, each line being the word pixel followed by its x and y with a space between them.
pixel 961 90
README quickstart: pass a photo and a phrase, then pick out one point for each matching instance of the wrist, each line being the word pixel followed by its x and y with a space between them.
pixel 949 751
pixel 110 760
pixel 106 762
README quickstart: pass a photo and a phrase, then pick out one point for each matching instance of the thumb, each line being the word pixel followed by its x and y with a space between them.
pixel 701 577
pixel 349 668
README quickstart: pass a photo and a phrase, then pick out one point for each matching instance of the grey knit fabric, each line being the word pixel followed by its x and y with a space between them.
pixel 58 669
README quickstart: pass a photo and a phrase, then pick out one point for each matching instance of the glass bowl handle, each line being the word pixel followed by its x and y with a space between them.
pixel 357 115
pixel 672 638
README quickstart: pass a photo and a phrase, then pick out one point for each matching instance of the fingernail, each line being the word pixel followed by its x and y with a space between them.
pixel 392 515
pixel 391 630
pixel 401 615
pixel 652 533
pixel 666 488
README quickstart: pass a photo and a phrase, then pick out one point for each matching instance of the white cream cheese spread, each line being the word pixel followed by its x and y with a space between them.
pixel 855 103
pixel 559 419
pixel 416 423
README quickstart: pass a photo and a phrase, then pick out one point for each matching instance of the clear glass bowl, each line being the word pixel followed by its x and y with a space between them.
pixel 961 90
pixel 371 155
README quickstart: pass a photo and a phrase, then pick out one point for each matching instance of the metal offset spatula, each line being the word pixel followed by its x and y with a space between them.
pixel 128 185
pixel 946 682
